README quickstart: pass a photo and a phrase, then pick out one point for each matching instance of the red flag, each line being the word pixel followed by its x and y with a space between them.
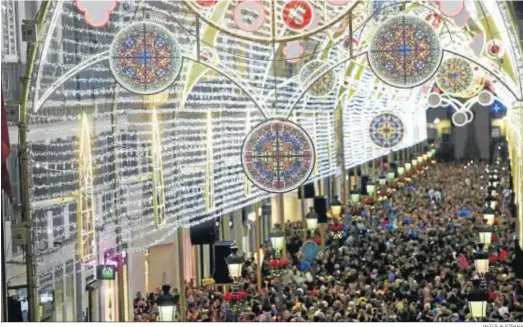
pixel 6 149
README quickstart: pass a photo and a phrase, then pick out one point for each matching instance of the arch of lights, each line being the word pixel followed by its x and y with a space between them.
pixel 176 154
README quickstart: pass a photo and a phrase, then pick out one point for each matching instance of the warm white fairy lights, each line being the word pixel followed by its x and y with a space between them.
pixel 54 143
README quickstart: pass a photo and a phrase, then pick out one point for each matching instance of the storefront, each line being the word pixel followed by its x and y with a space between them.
pixel 114 290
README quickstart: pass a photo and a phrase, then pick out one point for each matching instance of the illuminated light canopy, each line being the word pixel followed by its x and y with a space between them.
pixel 386 130
pixel 86 227
pixel 324 85
pixel 459 118
pixel 278 156
pixel 451 8
pixel 434 100
pixel 145 58
pixel 338 2
pixel 297 14
pixel 485 98
pixel 292 51
pixel 405 51
pixel 206 3
pixel 96 13
pixel 495 49
pixel 246 22
pixel 454 76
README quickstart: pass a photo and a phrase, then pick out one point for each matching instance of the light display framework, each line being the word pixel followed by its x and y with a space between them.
pixel 198 99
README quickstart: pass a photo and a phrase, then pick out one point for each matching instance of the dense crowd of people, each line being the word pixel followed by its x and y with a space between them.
pixel 409 258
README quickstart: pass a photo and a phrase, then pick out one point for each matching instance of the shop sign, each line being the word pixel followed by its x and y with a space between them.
pixel 105 272
pixel 114 259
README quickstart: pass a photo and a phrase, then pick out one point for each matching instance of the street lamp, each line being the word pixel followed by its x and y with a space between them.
pixel 401 171
pixel 167 304
pixel 336 207
pixel 481 261
pixel 382 180
pixel 477 300
pixel 408 166
pixel 371 188
pixel 489 215
pixel 312 220
pixel 493 181
pixel 391 175
pixel 485 234
pixel 414 162
pixel 355 197
pixel 277 239
pixel 491 201
pixel 234 263
pixel 491 190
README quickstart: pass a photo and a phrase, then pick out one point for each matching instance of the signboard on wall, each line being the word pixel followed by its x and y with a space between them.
pixel 104 272
pixel 115 259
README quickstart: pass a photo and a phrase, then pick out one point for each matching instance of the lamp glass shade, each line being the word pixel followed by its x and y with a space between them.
pixel 401 171
pixel 493 204
pixel 312 223
pixel 485 238
pixel 382 180
pixel 482 265
pixel 235 269
pixel 408 166
pixel 355 197
pixel 414 163
pixel 420 159
pixel 478 309
pixel 371 189
pixel 277 242
pixel 489 218
pixel 391 175
pixel 167 309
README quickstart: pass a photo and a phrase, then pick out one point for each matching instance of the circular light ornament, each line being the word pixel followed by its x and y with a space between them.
pixel 206 3
pixel 297 14
pixel 405 52
pixel 145 58
pixel 455 76
pixel 495 49
pixel 485 98
pixel 249 15
pixel 386 130
pixel 324 85
pixel 459 118
pixel 278 156
pixel 208 55
pixel 338 2
pixel 293 51
pixel 434 100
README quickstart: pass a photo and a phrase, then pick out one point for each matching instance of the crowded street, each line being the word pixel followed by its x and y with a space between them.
pixel 285 161
pixel 412 260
